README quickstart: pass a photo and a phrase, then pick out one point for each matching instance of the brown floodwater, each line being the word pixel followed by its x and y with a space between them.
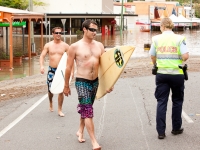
pixel 132 37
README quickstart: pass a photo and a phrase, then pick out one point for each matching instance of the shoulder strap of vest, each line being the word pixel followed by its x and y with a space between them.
pixel 180 39
pixel 155 40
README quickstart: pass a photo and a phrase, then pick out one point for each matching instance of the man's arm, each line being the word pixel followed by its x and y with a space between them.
pixel 102 48
pixel 185 56
pixel 70 64
pixel 152 52
pixel 184 51
pixel 42 56
pixel 153 59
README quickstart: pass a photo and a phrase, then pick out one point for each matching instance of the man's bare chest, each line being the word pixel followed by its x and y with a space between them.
pixel 57 49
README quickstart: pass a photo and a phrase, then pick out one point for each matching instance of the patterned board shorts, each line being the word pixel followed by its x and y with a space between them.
pixel 86 90
pixel 50 75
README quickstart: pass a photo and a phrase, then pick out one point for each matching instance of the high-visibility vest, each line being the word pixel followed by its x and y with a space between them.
pixel 168 55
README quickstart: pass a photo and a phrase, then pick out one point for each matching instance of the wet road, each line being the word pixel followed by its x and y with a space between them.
pixel 124 120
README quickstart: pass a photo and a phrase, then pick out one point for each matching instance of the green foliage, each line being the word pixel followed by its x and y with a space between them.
pixel 195 6
pixel 38 3
pixel 3 55
pixel 186 1
pixel 17 54
pixel 20 4
pixel 196 1
pixel 197 10
pixel 79 32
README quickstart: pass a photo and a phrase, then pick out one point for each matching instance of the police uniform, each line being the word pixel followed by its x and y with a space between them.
pixel 168 48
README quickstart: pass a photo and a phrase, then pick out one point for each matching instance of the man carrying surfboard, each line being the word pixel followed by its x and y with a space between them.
pixel 55 49
pixel 86 53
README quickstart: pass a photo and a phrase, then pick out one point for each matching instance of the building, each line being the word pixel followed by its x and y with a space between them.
pixel 71 14
pixel 150 12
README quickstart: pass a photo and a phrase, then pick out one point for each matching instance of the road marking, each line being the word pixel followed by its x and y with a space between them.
pixel 187 118
pixel 6 129
pixel 139 116
pixel 101 120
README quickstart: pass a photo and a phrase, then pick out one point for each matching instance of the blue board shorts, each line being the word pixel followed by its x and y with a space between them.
pixel 86 90
pixel 50 76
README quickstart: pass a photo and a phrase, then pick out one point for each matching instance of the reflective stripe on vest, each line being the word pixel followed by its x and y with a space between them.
pixel 168 56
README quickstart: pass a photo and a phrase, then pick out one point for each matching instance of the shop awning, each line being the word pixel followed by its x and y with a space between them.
pixel 11 16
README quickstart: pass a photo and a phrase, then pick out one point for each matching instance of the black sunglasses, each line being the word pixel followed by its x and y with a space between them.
pixel 57 32
pixel 92 29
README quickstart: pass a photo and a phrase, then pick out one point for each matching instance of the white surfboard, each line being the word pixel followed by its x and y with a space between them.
pixel 58 82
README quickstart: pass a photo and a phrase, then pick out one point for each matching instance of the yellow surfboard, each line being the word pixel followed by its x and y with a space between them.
pixel 112 63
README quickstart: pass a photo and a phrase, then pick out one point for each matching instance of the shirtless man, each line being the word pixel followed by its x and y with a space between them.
pixel 55 50
pixel 86 53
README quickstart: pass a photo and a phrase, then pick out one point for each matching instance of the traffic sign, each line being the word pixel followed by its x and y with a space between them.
pixel 14 24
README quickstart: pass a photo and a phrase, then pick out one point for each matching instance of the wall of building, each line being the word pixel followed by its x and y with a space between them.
pixel 141 8
pixel 107 6
pixel 74 6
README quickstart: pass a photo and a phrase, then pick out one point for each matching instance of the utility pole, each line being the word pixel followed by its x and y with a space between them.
pixel 32 29
pixel 122 18
pixel 46 25
pixel 191 14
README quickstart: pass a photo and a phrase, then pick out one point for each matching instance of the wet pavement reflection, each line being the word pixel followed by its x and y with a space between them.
pixel 134 38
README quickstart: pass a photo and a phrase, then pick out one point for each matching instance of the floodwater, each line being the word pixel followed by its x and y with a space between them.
pixel 132 37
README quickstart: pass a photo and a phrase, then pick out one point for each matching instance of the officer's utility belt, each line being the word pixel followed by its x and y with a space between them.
pixel 184 68
pixel 170 71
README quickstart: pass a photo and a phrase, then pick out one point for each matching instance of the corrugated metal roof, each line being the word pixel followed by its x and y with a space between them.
pixel 57 15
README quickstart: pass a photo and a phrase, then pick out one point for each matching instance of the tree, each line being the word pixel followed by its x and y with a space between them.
pixel 197 10
pixel 20 4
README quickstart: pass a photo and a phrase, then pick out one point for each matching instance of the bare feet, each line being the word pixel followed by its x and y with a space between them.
pixel 51 107
pixel 61 114
pixel 80 137
pixel 99 148
pixel 96 146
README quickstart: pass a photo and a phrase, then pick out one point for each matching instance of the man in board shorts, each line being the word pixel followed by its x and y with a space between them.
pixel 86 90
pixel 86 53
pixel 50 76
pixel 55 49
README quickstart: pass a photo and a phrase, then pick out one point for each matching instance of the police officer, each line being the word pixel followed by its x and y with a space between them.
pixel 168 50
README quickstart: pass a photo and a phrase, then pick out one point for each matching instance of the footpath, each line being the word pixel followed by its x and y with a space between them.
pixel 124 120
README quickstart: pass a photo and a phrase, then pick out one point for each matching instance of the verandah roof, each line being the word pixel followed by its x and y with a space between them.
pixel 10 15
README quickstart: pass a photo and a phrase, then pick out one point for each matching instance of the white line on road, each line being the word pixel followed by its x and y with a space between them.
pixel 101 120
pixel 142 126
pixel 187 118
pixel 22 116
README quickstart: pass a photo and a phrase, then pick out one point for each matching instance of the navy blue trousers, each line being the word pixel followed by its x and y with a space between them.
pixel 164 83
